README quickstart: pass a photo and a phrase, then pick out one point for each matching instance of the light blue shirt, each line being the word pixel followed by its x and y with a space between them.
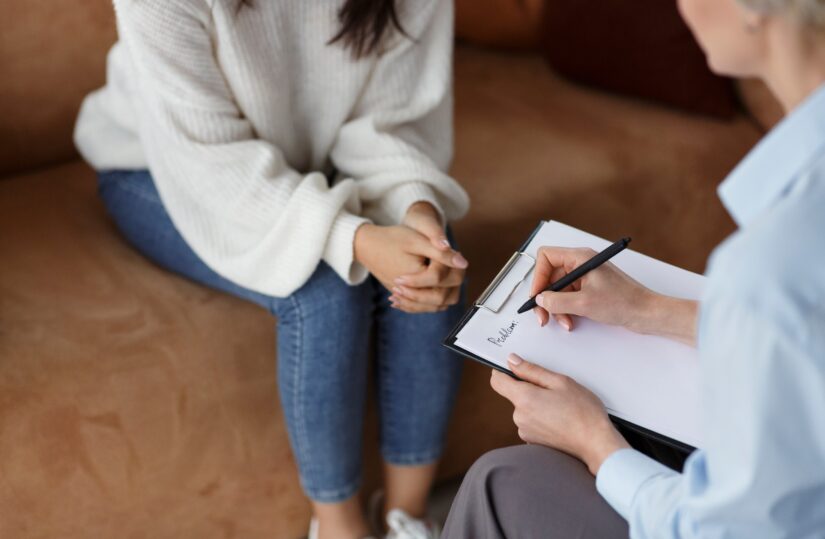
pixel 761 473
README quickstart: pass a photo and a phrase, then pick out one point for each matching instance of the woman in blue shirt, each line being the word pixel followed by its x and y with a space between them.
pixel 760 331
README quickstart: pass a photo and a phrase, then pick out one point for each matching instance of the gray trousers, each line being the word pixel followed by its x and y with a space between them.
pixel 531 492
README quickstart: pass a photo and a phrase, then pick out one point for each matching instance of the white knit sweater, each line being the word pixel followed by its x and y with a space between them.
pixel 239 115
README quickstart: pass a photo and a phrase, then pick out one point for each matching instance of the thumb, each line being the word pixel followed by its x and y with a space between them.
pixel 448 257
pixel 434 232
pixel 532 373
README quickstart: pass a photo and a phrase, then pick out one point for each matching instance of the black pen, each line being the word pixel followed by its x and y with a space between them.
pixel 580 272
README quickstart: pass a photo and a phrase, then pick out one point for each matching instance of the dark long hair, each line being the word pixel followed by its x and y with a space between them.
pixel 365 24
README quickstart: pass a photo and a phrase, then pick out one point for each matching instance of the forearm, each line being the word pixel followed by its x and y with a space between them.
pixel 669 317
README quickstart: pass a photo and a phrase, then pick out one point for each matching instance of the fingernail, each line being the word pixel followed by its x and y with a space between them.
pixel 565 324
pixel 445 242
pixel 513 359
pixel 538 317
pixel 540 300
pixel 397 290
pixel 459 261
pixel 400 280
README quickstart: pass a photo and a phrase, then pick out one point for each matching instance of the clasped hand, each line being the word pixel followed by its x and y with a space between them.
pixel 413 260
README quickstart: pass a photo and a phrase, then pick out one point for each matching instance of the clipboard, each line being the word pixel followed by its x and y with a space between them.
pixel 503 277
pixel 511 275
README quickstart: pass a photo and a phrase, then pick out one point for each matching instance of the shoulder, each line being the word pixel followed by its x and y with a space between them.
pixel 162 12
pixel 170 49
pixel 773 267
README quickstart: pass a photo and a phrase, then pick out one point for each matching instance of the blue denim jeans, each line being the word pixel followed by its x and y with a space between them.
pixel 324 337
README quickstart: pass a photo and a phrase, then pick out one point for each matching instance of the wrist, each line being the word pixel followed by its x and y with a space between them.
pixel 423 207
pixel 649 313
pixel 361 241
pixel 600 447
pixel 665 316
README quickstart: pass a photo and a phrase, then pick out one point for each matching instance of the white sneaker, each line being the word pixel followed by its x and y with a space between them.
pixel 313 530
pixel 400 524
pixel 403 526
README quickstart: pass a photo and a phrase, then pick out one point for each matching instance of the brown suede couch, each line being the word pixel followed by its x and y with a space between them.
pixel 134 404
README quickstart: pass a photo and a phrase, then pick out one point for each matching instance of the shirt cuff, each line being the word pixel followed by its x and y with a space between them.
pixel 623 474
pixel 398 200
pixel 340 249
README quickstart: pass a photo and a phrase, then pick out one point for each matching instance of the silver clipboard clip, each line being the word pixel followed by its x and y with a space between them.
pixel 508 279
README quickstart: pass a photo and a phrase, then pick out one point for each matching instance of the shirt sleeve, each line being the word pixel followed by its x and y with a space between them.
pixel 232 196
pixel 623 475
pixel 761 473
pixel 398 143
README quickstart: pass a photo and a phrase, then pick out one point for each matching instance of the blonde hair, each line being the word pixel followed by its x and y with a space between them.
pixel 808 12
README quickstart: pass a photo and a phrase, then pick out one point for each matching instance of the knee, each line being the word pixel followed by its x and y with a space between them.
pixel 127 185
pixel 497 458
pixel 513 465
pixel 514 457
pixel 325 292
pixel 486 469
pixel 534 491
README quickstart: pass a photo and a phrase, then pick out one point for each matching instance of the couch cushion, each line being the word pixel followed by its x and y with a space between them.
pixel 531 145
pixel 132 402
pixel 52 54
pixel 510 24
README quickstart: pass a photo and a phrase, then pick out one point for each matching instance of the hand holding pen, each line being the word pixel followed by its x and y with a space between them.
pixel 607 295
pixel 582 282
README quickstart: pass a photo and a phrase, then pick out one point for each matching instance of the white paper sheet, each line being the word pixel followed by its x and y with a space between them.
pixel 650 381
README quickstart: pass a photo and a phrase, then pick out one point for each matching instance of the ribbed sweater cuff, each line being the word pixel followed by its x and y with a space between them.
pixel 398 200
pixel 340 250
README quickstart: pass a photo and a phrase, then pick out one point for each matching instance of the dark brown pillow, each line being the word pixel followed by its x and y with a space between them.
pixel 510 24
pixel 640 48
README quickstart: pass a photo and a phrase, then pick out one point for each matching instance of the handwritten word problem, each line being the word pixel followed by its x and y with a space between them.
pixel 503 334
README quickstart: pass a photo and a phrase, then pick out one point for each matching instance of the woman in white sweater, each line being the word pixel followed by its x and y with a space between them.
pixel 294 154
